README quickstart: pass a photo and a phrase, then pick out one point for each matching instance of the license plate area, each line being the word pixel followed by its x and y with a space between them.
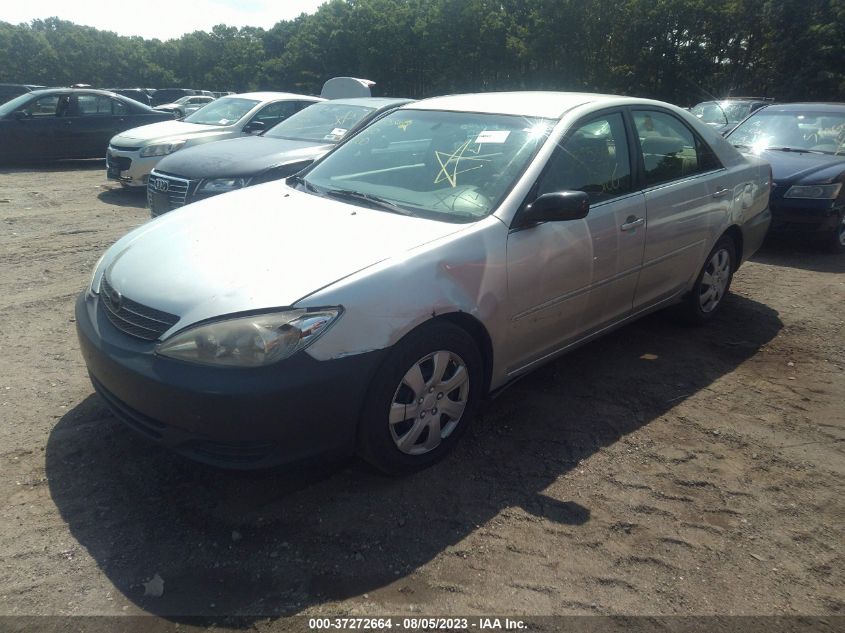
pixel 159 202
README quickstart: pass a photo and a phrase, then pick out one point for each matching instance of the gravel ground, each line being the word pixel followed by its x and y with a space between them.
pixel 660 470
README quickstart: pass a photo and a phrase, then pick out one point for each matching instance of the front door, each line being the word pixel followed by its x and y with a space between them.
pixel 568 279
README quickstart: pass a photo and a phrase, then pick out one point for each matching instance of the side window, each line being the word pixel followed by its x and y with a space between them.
pixel 594 159
pixel 118 108
pixel 93 105
pixel 45 106
pixel 669 148
pixel 275 113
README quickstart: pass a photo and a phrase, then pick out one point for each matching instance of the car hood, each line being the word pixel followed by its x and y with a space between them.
pixel 166 130
pixel 262 247
pixel 796 167
pixel 239 157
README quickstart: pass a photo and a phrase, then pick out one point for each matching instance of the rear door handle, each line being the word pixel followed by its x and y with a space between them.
pixel 722 193
pixel 632 222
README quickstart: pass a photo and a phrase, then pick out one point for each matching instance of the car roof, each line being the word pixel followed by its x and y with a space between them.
pixel 267 96
pixel 372 102
pixel 105 93
pixel 819 106
pixel 548 105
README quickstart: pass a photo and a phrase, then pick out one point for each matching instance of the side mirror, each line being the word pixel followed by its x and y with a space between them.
pixel 556 207
pixel 254 127
pixel 20 114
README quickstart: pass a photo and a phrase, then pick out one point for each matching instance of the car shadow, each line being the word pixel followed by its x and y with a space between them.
pixel 799 252
pixel 124 196
pixel 56 166
pixel 271 543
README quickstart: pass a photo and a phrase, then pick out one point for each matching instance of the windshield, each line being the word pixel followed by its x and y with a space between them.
pixel 320 122
pixel 452 166
pixel 722 112
pixel 222 112
pixel 807 131
pixel 15 104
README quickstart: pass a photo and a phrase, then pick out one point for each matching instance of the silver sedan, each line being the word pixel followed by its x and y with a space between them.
pixel 369 303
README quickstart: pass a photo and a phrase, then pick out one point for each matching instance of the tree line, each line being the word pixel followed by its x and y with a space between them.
pixel 680 51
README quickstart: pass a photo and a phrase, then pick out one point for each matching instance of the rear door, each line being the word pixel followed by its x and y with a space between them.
pixel 683 199
pixel 91 125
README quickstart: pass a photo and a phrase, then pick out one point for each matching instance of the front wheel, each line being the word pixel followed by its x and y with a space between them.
pixel 421 400
pixel 836 241
pixel 712 284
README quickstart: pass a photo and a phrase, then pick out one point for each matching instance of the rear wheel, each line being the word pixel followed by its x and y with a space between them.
pixel 421 400
pixel 712 284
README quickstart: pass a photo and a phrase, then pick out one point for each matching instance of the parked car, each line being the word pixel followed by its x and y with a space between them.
pixel 67 123
pixel 805 145
pixel 138 94
pixel 169 95
pixel 10 91
pixel 211 169
pixel 186 105
pixel 725 114
pixel 368 303
pixel 132 154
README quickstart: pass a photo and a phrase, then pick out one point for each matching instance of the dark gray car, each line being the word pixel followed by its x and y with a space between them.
pixel 285 149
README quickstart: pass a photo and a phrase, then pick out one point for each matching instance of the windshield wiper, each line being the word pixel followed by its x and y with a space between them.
pixel 796 150
pixel 297 179
pixel 376 201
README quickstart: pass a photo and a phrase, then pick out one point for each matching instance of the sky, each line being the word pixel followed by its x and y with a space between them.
pixel 162 19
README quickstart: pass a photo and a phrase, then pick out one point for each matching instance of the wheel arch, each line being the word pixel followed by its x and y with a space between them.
pixel 735 233
pixel 479 334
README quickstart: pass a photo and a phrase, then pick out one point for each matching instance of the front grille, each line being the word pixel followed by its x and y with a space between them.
pixel 122 162
pixel 165 192
pixel 124 148
pixel 133 318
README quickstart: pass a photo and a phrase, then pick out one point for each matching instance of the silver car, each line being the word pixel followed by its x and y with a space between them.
pixel 132 154
pixel 367 304
pixel 186 105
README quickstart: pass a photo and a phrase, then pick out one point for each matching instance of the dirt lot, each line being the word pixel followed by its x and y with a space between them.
pixel 660 470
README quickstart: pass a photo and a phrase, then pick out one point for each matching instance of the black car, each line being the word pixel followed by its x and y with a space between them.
pixel 138 94
pixel 214 168
pixel 805 144
pixel 10 91
pixel 724 115
pixel 67 123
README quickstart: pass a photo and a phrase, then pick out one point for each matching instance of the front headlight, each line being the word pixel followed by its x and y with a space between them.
pixel 250 341
pixel 162 149
pixel 222 185
pixel 814 192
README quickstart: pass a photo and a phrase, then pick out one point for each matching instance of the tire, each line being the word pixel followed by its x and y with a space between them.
pixel 713 282
pixel 836 241
pixel 421 400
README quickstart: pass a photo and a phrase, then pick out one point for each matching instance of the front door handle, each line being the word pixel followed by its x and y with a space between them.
pixel 722 193
pixel 632 222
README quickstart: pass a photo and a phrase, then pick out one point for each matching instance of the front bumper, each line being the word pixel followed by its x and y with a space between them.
pixel 128 167
pixel 805 216
pixel 234 418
